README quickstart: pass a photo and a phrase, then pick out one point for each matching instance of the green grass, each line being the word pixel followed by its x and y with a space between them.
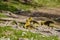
pixel 15 5
pixel 50 3
pixel 15 34
pixel 7 7
pixel 2 15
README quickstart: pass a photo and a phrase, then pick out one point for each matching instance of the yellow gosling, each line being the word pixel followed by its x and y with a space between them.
pixel 41 22
pixel 47 23
pixel 35 25
pixel 51 25
pixel 30 19
pixel 27 24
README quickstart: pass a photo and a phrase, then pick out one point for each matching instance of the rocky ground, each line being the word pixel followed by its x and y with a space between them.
pixel 37 15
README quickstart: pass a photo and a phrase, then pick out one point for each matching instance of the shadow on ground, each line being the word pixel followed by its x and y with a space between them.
pixel 37 14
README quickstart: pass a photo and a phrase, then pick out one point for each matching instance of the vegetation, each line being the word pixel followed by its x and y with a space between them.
pixel 2 15
pixel 14 34
pixel 14 5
